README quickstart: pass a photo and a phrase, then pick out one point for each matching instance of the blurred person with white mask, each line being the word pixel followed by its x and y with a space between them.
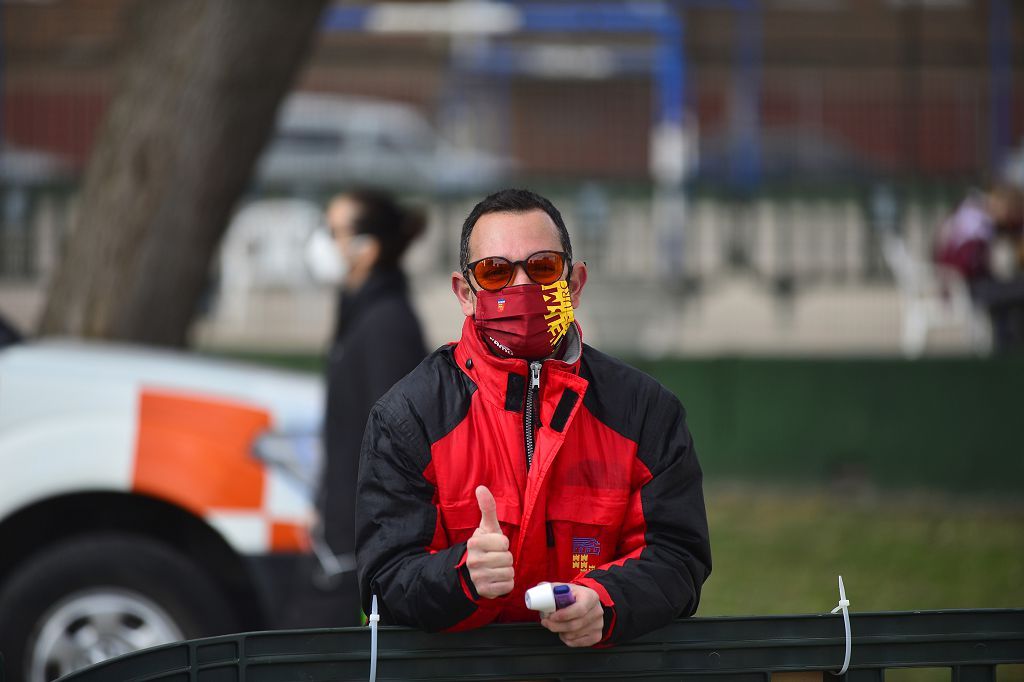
pixel 376 341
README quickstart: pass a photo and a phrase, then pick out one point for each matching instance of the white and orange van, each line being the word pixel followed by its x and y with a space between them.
pixel 146 496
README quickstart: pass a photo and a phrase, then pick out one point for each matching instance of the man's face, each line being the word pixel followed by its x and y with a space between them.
pixel 341 216
pixel 360 251
pixel 514 236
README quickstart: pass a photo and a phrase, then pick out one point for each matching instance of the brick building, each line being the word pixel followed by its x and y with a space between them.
pixel 845 88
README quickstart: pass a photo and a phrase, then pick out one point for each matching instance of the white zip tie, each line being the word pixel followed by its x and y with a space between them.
pixel 373 620
pixel 844 605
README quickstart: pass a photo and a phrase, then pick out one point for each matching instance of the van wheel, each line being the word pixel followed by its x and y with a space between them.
pixel 93 597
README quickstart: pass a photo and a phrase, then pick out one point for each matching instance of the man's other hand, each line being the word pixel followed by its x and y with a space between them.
pixel 580 624
pixel 487 555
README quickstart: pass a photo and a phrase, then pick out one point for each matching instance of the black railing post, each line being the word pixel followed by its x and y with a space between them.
pixel 971 643
pixel 974 673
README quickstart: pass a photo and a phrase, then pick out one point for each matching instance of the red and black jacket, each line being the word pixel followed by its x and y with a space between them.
pixel 612 499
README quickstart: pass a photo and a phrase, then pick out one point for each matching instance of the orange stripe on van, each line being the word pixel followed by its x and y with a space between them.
pixel 289 537
pixel 197 452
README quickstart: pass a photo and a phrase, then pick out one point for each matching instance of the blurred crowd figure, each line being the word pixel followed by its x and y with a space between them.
pixel 376 341
pixel 983 241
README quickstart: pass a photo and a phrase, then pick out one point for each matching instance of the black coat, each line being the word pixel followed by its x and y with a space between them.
pixel 378 341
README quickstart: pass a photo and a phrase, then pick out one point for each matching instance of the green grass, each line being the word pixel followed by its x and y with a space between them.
pixel 779 551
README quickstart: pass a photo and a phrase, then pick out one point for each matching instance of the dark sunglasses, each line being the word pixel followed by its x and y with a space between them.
pixel 495 272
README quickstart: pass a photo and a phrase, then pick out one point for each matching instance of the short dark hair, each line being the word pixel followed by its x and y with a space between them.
pixel 394 225
pixel 511 201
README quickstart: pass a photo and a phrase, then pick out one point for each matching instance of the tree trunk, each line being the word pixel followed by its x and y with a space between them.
pixel 200 87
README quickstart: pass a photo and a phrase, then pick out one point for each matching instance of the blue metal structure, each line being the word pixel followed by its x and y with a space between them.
pixel 666 62
pixel 746 156
pixel 345 19
pixel 3 69
pixel 669 63
pixel 1000 80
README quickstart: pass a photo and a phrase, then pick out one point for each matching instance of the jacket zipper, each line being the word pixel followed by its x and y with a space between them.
pixel 530 412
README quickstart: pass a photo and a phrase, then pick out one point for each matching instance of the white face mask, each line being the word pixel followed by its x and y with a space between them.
pixel 324 260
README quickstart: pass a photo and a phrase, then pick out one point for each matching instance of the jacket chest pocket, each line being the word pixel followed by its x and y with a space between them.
pixel 462 518
pixel 583 531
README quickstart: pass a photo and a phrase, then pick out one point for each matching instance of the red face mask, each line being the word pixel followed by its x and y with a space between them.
pixel 526 321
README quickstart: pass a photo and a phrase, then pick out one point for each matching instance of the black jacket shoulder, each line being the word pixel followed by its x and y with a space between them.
pixel 625 398
pixel 434 397
pixel 390 315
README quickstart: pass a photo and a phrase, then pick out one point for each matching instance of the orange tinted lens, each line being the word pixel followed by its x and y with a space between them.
pixel 492 273
pixel 544 268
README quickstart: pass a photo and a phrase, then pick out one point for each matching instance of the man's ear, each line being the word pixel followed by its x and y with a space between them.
pixel 577 280
pixel 463 292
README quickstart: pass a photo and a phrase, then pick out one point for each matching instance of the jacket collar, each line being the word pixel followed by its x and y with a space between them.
pixel 381 283
pixel 502 381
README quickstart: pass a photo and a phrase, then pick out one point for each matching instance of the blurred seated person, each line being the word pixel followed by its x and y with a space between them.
pixel 966 236
pixel 377 340
pixel 967 243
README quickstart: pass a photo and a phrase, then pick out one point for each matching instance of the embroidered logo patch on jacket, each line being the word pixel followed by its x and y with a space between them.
pixel 582 550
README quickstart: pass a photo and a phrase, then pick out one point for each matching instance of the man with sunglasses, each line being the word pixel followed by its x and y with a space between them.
pixel 519 455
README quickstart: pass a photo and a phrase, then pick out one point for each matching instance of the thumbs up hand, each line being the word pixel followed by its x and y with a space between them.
pixel 487 556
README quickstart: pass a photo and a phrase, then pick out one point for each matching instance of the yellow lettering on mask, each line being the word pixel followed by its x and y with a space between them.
pixel 560 313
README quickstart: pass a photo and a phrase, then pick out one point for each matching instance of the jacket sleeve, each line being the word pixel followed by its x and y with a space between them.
pixel 396 523
pixel 664 556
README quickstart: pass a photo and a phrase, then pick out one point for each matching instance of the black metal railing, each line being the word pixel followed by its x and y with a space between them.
pixel 969 642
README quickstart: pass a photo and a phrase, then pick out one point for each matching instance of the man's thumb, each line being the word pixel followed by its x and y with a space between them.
pixel 488 510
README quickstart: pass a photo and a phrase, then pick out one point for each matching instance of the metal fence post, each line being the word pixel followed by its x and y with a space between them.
pixel 974 673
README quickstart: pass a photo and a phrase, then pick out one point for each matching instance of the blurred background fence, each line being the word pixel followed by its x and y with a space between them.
pixel 743 178
pixel 733 166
